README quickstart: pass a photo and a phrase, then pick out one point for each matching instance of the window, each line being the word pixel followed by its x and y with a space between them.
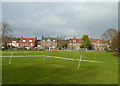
pixel 98 44
pixel 30 40
pixel 70 43
pixel 74 44
pixel 74 40
pixel 24 40
pixel 26 43
pixel 53 46
pixel 48 40
pixel 48 43
pixel 23 44
pixel 54 40
pixel 31 44
pixel 53 43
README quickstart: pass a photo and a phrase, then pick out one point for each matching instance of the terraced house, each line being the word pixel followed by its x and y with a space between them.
pixel 74 44
pixel 14 43
pixel 56 43
pixel 48 43
pixel 28 42
pixel 97 44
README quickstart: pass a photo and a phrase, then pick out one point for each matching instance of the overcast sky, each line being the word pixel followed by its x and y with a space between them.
pixel 69 19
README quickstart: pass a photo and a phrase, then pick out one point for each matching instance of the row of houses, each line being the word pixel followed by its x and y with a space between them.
pixel 96 44
pixel 50 43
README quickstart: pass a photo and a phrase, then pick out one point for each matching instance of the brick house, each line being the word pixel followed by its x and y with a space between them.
pixel 5 44
pixel 48 43
pixel 97 44
pixel 14 43
pixel 74 44
pixel 10 44
pixel 28 42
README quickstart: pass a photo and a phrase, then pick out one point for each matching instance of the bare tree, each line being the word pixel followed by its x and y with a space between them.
pixel 115 41
pixel 6 30
pixel 116 44
pixel 109 34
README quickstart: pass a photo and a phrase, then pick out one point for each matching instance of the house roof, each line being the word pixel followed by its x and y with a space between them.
pixel 63 41
pixel 46 38
pixel 13 41
pixel 77 40
pixel 10 41
pixel 96 40
pixel 28 38
pixel 92 40
pixel 73 38
pixel 6 41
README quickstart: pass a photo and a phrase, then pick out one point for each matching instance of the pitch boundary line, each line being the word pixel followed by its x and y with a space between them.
pixel 56 57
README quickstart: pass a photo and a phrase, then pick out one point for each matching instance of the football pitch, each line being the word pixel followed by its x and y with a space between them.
pixel 59 67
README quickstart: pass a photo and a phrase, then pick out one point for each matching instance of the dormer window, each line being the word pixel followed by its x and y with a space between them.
pixel 74 40
pixel 24 40
pixel 30 40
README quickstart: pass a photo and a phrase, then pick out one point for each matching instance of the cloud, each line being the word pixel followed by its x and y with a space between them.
pixel 63 19
pixel 0 11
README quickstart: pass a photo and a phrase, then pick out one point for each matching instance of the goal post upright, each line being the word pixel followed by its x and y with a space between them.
pixel 10 57
pixel 79 61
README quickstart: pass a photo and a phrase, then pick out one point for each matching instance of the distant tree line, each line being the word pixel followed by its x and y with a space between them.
pixel 112 38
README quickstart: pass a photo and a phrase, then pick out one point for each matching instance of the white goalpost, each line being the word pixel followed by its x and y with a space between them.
pixel 10 57
pixel 79 61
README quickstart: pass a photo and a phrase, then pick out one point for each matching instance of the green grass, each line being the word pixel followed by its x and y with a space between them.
pixel 32 70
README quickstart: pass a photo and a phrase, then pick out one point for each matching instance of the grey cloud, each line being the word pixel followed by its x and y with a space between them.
pixel 68 19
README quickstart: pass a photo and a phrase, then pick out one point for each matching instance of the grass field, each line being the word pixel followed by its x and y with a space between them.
pixel 33 68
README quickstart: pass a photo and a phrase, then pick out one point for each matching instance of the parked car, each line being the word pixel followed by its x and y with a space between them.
pixel 3 48
pixel 110 50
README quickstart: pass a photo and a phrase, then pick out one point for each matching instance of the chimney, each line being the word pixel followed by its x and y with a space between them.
pixel 74 37
pixel 36 38
pixel 42 37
